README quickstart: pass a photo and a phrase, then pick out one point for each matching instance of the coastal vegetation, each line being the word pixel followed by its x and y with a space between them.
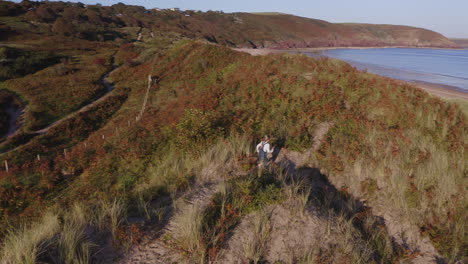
pixel 373 165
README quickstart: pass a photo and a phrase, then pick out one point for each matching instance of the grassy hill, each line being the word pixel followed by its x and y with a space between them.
pixel 276 30
pixel 272 30
pixel 367 169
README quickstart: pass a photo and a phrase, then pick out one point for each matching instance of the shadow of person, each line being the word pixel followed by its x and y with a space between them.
pixel 277 149
pixel 325 199
pixel 275 153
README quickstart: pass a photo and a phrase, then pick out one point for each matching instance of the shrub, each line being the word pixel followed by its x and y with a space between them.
pixel 10 9
pixel 45 14
pixel 63 27
pixel 19 62
pixel 197 128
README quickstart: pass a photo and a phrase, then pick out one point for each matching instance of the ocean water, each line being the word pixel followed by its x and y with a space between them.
pixel 437 66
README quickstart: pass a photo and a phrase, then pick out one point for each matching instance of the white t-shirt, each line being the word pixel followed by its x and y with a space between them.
pixel 266 147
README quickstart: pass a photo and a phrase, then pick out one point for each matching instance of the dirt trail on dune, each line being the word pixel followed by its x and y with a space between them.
pixel 403 233
pixel 109 87
pixel 155 248
pixel 292 234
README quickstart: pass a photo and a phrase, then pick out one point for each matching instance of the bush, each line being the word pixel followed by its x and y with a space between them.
pixel 19 62
pixel 197 128
pixel 10 9
pixel 63 27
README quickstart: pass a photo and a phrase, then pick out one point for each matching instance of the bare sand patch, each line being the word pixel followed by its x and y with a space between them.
pixel 260 52
pixel 441 91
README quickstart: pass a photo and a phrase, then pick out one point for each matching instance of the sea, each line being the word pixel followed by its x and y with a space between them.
pixel 446 67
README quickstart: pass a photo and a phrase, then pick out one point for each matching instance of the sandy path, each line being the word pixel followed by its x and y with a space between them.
pixel 155 248
pixel 105 83
pixel 260 52
pixel 287 227
pixel 440 91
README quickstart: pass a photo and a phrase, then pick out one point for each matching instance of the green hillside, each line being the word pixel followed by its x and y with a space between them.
pixel 271 29
pixel 161 168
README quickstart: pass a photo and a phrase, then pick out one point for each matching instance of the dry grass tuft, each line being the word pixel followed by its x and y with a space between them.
pixel 256 248
pixel 187 232
pixel 29 242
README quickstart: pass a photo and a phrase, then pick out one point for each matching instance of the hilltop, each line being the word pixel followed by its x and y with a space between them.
pixel 256 30
pixel 136 145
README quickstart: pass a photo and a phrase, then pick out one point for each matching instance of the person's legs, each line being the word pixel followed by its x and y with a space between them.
pixel 264 159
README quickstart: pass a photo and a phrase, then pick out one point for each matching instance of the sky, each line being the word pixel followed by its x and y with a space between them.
pixel 448 17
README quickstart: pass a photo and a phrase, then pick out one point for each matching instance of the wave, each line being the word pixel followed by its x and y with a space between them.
pixel 456 77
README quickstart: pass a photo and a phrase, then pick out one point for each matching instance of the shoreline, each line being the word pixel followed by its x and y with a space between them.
pixel 440 90
pixel 435 89
pixel 373 47
pixel 265 51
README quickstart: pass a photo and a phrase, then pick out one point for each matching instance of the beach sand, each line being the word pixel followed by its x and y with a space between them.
pixel 260 52
pixel 441 91
pixel 434 89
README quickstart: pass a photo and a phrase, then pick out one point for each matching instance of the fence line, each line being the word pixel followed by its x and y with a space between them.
pixel 150 82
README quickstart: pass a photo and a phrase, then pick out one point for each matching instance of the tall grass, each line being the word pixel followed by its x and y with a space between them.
pixel 297 191
pixel 188 232
pixel 29 242
pixel 111 215
pixel 255 248
pixel 176 170
pixel 391 144
pixel 73 243
pixel 424 182
pixel 61 237
pixel 462 103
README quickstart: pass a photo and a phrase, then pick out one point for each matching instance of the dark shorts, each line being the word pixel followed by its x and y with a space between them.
pixel 263 157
